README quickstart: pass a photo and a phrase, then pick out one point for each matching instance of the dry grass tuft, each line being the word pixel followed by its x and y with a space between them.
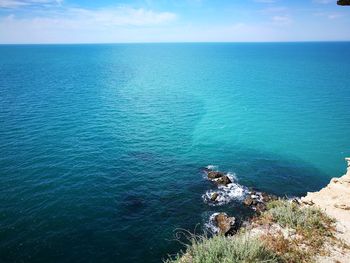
pixel 288 250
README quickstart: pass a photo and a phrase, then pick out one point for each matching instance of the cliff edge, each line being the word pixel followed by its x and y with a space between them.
pixel 315 228
pixel 334 200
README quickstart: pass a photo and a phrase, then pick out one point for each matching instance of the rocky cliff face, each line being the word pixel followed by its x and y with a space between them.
pixel 334 199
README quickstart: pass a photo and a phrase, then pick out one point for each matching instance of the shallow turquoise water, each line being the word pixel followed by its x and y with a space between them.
pixel 101 145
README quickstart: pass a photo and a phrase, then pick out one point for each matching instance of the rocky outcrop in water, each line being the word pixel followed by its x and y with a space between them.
pixel 223 180
pixel 289 242
pixel 226 189
pixel 213 174
pixel 224 224
pixel 217 177
pixel 257 200
pixel 214 196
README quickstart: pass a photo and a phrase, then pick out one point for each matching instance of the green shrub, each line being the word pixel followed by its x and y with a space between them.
pixel 312 226
pixel 311 223
pixel 289 214
pixel 219 249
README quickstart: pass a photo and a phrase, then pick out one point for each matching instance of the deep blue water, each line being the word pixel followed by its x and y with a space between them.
pixel 101 145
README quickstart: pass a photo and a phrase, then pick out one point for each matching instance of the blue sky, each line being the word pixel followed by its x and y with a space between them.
pixel 107 21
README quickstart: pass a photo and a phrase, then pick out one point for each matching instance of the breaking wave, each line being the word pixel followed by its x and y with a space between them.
pixel 225 194
pixel 210 226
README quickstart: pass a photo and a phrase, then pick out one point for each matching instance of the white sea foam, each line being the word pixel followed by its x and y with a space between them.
pixel 212 167
pixel 226 194
pixel 211 224
pixel 232 177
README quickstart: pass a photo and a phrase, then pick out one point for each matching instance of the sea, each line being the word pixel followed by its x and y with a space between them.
pixel 102 147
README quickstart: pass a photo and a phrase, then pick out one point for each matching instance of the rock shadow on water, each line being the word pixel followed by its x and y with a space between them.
pixel 132 204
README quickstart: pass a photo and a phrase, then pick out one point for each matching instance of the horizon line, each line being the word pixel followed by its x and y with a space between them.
pixel 175 42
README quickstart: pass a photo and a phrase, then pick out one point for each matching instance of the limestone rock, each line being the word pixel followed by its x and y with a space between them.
pixel 225 223
pixel 334 199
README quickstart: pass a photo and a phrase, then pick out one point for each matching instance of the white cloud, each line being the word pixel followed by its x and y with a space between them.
pixel 278 14
pixel 23 3
pixel 265 1
pixel 281 20
pixel 18 31
pixel 79 25
pixel 323 1
pixel 274 9
pixel 334 16
pixel 119 16
pixel 127 24
pixel 329 15
pixel 80 18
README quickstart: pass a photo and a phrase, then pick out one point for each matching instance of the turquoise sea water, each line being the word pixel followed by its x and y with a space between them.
pixel 101 146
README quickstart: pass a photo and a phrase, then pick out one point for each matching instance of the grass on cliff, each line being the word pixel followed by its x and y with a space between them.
pixel 292 215
pixel 311 229
pixel 221 249
pixel 310 223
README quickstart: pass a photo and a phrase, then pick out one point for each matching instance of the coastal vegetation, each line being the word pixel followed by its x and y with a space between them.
pixel 286 232
pixel 306 230
pixel 241 248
